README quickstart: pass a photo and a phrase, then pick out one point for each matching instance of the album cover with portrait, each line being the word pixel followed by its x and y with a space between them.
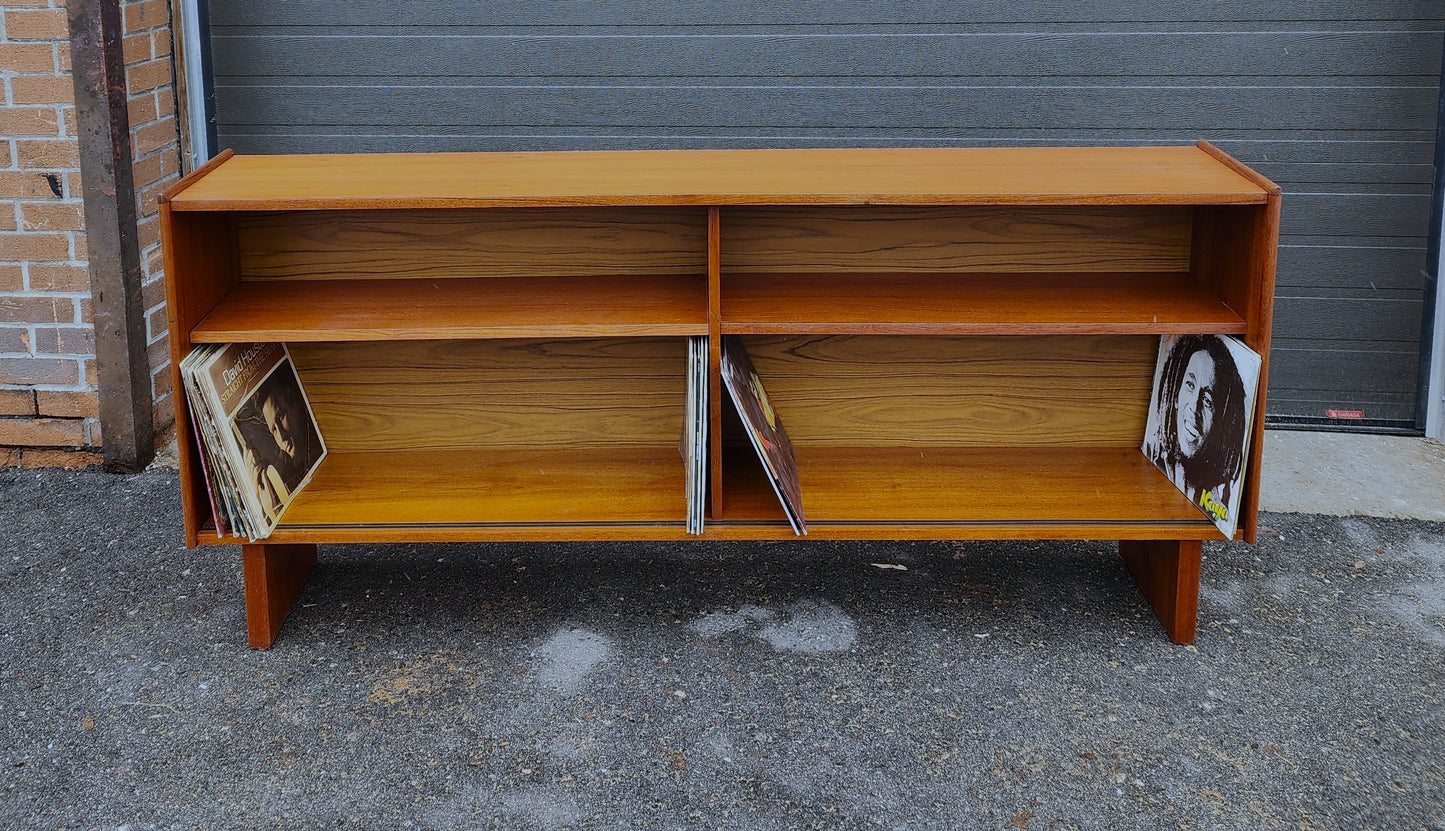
pixel 262 444
pixel 1201 415
pixel 764 429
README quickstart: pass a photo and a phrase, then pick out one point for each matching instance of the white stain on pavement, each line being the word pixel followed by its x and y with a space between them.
pixel 569 656
pixel 805 626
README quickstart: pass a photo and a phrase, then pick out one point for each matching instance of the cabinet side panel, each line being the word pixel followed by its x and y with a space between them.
pixel 958 391
pixel 529 393
pixel 473 243
pixel 933 239
pixel 200 265
pixel 1235 255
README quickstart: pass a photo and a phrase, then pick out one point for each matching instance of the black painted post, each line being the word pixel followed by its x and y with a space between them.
pixel 98 69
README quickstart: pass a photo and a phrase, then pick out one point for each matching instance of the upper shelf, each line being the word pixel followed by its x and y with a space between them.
pixel 458 307
pixel 1185 175
pixel 974 304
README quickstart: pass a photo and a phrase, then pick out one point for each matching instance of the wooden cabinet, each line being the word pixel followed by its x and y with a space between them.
pixel 960 341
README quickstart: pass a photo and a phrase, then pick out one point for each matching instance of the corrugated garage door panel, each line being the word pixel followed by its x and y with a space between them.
pixel 1334 100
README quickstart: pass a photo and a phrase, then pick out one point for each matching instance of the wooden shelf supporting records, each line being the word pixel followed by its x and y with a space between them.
pixel 960 342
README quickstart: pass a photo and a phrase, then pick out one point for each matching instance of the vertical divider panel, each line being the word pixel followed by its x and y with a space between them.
pixel 714 358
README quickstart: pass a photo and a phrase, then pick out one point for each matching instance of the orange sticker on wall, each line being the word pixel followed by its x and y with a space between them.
pixel 1344 413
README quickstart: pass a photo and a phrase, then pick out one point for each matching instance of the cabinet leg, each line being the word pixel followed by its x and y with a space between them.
pixel 274 577
pixel 1167 571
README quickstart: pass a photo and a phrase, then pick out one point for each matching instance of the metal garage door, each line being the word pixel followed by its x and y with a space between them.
pixel 1334 99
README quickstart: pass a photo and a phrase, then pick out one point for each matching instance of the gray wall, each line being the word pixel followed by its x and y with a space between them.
pixel 1334 99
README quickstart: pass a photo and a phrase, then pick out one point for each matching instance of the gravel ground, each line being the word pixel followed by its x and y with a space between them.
pixel 747 686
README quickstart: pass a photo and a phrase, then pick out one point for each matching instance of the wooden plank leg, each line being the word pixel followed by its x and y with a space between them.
pixel 1167 571
pixel 274 577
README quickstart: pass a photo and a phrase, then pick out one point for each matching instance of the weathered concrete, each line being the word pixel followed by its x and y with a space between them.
pixel 1347 474
pixel 749 686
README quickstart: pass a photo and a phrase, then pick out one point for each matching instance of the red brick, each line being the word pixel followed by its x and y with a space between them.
pixel 35 246
pixel 136 48
pixel 28 121
pixel 152 294
pixel 12 278
pixel 67 459
pixel 87 311
pixel 5 157
pixel 42 89
pixel 25 371
pixel 93 437
pixel 50 153
pixel 7 220
pixel 157 322
pixel 37 309
pixel 148 196
pixel 161 380
pixel 165 411
pixel 147 15
pixel 92 377
pixel 36 24
pixel 155 263
pixel 68 404
pixel 142 110
pixel 52 216
pixel 26 184
pixel 65 340
pixel 17 403
pixel 70 128
pixel 28 57
pixel 148 170
pixel 149 232
pixel 148 76
pixel 9 456
pixel 72 278
pixel 15 340
pixel 41 432
pixel 82 253
pixel 153 137
pixel 166 100
pixel 161 43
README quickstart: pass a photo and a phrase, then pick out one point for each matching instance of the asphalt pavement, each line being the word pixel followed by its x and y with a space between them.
pixel 741 686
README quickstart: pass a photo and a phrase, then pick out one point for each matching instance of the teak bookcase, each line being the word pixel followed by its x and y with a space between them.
pixel 960 342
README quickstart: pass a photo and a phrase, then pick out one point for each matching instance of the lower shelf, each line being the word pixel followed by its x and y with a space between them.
pixel 969 492
pixel 636 493
pixel 463 494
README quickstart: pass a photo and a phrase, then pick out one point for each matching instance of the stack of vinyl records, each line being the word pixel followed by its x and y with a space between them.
pixel 694 440
pixel 258 439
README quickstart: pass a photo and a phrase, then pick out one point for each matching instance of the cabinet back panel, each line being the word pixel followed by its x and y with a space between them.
pixel 960 391
pixel 472 243
pixel 956 239
pixel 496 393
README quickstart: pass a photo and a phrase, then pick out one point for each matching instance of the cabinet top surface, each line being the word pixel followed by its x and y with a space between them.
pixel 1180 175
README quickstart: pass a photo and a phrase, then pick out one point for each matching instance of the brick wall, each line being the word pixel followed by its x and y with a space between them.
pixel 155 143
pixel 48 382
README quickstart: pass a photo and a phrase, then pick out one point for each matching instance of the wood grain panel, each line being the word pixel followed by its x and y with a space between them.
pixel 901 176
pixel 459 307
pixel 466 243
pixel 200 268
pixel 989 485
pixel 1016 239
pixel 1236 254
pixel 496 393
pixel 507 486
pixel 980 391
pixel 1098 303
